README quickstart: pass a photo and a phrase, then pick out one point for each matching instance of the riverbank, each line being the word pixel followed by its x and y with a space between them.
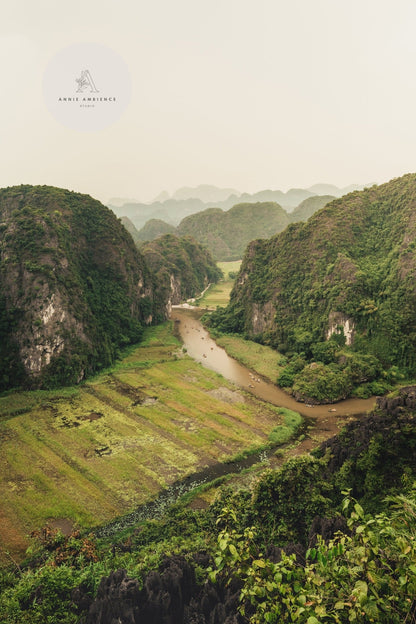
pixel 219 294
pixel 259 358
pixel 203 348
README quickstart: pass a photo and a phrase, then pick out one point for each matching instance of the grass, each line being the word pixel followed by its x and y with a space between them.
pixel 219 294
pixel 229 267
pixel 91 453
pixel 280 436
pixel 260 358
pixel 283 433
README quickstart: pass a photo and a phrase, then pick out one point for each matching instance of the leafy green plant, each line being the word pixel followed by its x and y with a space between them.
pixel 366 576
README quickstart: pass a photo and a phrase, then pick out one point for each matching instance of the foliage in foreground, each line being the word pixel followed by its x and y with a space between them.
pixel 367 574
pixel 288 550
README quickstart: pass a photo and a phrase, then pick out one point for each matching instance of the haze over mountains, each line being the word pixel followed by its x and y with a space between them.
pixel 186 201
pixel 226 233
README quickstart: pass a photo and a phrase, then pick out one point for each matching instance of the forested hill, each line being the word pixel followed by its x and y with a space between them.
pixel 152 229
pixel 349 270
pixel 73 287
pixel 226 234
pixel 309 206
pixel 181 267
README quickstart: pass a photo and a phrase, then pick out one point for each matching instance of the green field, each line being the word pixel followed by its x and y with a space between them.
pixel 264 360
pixel 260 358
pixel 219 294
pixel 81 456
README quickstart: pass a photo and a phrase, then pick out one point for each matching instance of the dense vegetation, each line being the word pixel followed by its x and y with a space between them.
pixel 309 206
pixel 348 273
pixel 130 228
pixel 180 266
pixel 153 229
pixel 330 538
pixel 74 288
pixel 226 234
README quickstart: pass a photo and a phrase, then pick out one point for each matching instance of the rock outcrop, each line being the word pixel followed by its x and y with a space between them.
pixel 349 269
pixel 74 288
pixel 169 596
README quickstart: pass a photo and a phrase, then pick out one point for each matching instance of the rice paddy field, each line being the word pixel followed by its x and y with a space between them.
pixel 219 294
pixel 79 457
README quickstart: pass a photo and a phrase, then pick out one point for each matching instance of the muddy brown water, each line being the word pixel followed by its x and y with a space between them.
pixel 320 424
pixel 202 348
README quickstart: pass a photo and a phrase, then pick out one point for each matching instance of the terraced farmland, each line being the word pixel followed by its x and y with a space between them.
pixel 84 455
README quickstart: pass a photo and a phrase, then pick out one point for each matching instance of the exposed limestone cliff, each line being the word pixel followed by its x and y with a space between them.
pixel 340 323
pixel 74 287
pixel 182 268
pixel 263 317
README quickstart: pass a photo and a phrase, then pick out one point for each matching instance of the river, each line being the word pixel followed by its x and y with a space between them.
pixel 321 421
pixel 202 348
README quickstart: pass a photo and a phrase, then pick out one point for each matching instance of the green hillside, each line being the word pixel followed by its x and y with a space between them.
pixel 73 287
pixel 131 229
pixel 152 229
pixel 226 234
pixel 309 206
pixel 347 274
pixel 180 266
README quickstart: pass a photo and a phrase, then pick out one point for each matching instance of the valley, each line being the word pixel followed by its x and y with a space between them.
pixel 79 457
pixel 85 455
pixel 219 294
pixel 185 449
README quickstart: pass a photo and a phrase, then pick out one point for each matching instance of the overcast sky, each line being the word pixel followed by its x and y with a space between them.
pixel 251 94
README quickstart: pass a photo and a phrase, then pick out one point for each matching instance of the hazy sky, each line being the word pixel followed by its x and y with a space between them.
pixel 251 94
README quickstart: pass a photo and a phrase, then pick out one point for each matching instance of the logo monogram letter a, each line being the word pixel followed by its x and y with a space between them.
pixel 86 81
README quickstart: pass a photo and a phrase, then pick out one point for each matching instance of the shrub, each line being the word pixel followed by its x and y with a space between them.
pixel 322 383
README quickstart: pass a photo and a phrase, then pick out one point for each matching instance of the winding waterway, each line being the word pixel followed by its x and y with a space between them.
pixel 202 348
pixel 323 421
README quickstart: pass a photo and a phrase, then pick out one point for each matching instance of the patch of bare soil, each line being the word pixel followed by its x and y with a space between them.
pixel 65 526
pixel 227 395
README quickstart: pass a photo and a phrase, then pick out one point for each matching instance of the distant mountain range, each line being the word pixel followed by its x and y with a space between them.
pixel 187 201
pixel 226 233
pixel 205 192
